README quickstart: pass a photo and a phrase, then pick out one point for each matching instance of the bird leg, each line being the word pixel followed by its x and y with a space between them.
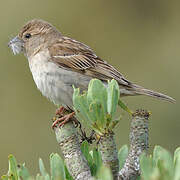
pixel 63 116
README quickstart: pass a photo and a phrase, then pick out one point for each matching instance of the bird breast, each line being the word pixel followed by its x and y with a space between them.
pixel 54 82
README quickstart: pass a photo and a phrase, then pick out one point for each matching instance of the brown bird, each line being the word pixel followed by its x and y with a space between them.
pixel 58 62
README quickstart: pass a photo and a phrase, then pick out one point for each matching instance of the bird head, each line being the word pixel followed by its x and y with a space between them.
pixel 33 36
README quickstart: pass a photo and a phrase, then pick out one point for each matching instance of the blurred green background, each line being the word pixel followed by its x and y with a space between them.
pixel 140 38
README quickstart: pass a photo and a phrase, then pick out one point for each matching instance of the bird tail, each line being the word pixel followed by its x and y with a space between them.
pixel 142 91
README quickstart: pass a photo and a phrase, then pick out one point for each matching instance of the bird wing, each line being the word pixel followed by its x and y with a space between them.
pixel 75 56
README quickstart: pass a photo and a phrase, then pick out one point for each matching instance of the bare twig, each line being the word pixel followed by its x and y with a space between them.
pixel 138 144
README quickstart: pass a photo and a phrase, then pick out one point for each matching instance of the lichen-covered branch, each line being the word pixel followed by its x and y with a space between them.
pixel 138 144
pixel 70 147
pixel 109 154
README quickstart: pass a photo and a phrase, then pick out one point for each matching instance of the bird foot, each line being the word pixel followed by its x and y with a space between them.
pixel 60 111
pixel 62 120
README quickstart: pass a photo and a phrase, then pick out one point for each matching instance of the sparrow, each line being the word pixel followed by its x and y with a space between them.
pixel 58 62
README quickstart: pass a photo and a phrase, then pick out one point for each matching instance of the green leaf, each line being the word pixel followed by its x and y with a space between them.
pixel 4 177
pixel 162 154
pixel 97 111
pixel 97 157
pixel 23 172
pixel 104 173
pixel 97 101
pixel 163 160
pixel 177 164
pixel 80 105
pixel 98 105
pixel 113 96
pixel 146 164
pixel 122 155
pixel 176 154
pixel 85 148
pixel 163 172
pixel 57 167
pixel 68 176
pixel 97 92
pixel 85 151
pixel 39 177
pixel 12 173
pixel 123 106
pixel 43 170
pixel 97 161
pixel 83 110
pixel 91 106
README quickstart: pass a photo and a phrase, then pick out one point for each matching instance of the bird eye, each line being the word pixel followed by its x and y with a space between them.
pixel 27 36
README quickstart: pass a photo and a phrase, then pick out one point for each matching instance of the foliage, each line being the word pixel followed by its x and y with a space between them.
pixel 97 106
pixel 57 169
pixel 93 157
pixel 161 165
pixel 158 166
pixel 122 155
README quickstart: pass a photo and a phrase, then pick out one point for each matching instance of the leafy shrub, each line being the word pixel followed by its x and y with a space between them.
pixel 161 165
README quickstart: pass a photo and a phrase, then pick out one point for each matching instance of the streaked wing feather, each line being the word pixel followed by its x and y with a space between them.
pixel 72 54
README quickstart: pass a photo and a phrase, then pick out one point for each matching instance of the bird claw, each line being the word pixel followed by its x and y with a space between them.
pixel 62 120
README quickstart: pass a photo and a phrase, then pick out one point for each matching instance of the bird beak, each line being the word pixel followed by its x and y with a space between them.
pixel 17 45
